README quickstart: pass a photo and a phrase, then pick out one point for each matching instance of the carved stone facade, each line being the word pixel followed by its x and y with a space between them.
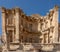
pixel 29 33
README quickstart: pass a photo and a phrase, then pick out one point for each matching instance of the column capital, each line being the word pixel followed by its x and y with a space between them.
pixel 17 9
pixel 56 7
pixel 3 9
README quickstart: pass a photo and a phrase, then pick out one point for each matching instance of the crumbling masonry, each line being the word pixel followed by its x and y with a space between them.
pixel 29 33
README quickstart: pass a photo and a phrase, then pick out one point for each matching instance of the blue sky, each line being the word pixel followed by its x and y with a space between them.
pixel 30 6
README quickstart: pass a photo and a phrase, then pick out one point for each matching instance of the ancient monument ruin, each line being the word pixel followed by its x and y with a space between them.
pixel 33 33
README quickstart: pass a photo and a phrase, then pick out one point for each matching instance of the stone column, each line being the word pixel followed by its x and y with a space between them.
pixel 55 22
pixel 13 35
pixel 17 23
pixel 47 37
pixel 4 36
pixel 43 38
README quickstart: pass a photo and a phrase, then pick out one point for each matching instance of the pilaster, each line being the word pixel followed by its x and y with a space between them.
pixel 17 23
pixel 55 21
pixel 4 36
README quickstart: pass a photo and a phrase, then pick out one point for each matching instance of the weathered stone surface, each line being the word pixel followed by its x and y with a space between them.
pixel 29 32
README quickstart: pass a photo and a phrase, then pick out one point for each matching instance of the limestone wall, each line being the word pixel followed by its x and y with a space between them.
pixel 19 28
